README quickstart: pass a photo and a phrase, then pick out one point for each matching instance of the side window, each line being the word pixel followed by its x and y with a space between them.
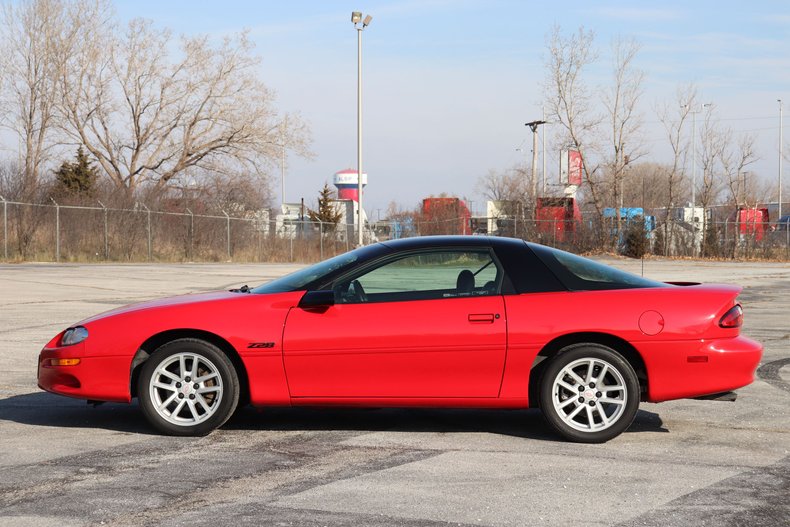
pixel 424 276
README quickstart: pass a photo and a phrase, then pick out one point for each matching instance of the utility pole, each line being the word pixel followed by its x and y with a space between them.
pixel 543 152
pixel 534 127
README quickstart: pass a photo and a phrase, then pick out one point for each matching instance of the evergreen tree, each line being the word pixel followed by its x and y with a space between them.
pixel 327 214
pixel 634 242
pixel 710 242
pixel 77 178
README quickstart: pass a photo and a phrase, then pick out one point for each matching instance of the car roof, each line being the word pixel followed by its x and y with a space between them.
pixel 422 242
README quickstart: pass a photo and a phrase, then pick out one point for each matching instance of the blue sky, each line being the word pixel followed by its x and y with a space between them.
pixel 450 84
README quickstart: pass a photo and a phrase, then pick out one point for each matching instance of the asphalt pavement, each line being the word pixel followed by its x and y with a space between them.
pixel 681 463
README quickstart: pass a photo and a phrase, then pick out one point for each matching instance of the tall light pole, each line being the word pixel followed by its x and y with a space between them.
pixel 359 25
pixel 781 144
pixel 694 154
pixel 694 163
pixel 283 127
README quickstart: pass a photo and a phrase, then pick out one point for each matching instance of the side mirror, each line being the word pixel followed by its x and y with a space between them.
pixel 318 299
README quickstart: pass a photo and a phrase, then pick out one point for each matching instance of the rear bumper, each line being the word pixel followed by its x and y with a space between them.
pixel 695 368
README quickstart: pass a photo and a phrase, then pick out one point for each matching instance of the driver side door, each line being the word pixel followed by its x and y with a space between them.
pixel 409 327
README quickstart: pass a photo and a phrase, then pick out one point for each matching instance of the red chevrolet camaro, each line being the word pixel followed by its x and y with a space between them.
pixel 433 321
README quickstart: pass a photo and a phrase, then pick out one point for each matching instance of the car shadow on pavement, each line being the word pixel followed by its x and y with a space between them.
pixel 45 409
pixel 528 424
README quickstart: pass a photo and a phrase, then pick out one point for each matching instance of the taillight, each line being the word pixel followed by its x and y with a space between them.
pixel 732 318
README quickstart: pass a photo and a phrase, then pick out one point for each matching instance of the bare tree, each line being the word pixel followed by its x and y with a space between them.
pixel 510 185
pixel 147 117
pixel 621 101
pixel 714 142
pixel 569 101
pixel 735 158
pixel 673 116
pixel 511 190
pixel 31 32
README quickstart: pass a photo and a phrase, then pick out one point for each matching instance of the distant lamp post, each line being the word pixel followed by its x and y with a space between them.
pixel 694 113
pixel 359 24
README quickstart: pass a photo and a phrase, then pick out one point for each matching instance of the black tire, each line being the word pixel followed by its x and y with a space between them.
pixel 582 411
pixel 174 402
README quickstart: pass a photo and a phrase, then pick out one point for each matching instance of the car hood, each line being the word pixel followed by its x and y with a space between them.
pixel 193 298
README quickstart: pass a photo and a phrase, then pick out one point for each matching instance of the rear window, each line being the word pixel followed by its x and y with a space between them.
pixel 582 274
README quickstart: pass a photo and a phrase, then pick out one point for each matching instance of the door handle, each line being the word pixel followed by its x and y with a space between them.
pixel 482 318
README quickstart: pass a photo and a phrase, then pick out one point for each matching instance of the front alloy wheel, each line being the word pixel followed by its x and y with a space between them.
pixel 589 393
pixel 188 387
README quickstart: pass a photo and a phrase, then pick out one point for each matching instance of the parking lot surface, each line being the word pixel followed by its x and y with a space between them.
pixel 685 462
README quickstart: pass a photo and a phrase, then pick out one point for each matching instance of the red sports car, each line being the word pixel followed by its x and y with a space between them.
pixel 432 321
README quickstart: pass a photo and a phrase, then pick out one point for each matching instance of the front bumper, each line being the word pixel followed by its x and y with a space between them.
pixel 100 378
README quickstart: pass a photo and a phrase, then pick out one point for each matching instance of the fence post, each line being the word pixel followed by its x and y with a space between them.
pixel 106 233
pixel 321 236
pixel 150 248
pixel 227 218
pixel 191 232
pixel 57 229
pixel 5 227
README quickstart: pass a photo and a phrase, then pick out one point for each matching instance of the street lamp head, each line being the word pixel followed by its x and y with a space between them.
pixel 367 20
pixel 356 17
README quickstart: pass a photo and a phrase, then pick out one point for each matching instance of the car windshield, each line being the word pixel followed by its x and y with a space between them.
pixel 582 274
pixel 300 279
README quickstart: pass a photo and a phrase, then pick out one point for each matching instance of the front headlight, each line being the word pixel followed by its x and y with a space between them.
pixel 74 336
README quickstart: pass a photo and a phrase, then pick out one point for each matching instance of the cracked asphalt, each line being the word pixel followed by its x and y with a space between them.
pixel 64 463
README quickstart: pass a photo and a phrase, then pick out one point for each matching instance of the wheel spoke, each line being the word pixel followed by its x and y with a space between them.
pixel 202 402
pixel 194 371
pixel 574 376
pixel 167 402
pixel 615 388
pixel 193 410
pixel 590 420
pixel 182 365
pixel 205 378
pixel 163 386
pixel 607 400
pixel 567 386
pixel 208 389
pixel 178 408
pixel 164 373
pixel 568 401
pixel 599 380
pixel 575 412
pixel 602 413
pixel 590 368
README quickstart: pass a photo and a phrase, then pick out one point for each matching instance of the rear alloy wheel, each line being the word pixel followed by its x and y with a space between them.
pixel 589 393
pixel 188 387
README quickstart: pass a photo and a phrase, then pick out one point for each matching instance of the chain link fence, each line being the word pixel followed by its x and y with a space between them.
pixel 71 233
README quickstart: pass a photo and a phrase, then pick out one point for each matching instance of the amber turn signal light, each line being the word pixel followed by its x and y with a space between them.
pixel 63 362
